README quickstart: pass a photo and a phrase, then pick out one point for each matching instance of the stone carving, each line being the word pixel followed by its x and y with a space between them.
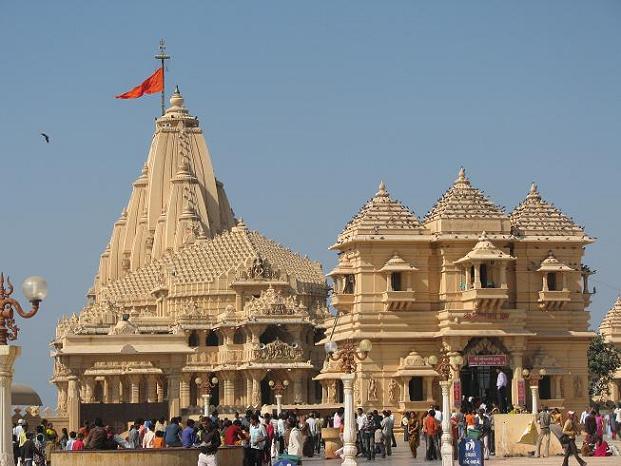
pixel 332 387
pixel 393 390
pixel 124 327
pixel 191 311
pixel 272 302
pixel 256 398
pixel 278 351
pixel 357 394
pixel 261 269
pixel 372 390
pixel 61 405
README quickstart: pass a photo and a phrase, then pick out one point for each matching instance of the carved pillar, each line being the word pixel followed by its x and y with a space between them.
pixel 556 387
pixel 257 376
pixel 89 389
pixel 228 387
pixel 113 389
pixel 151 388
pixel 429 388
pixel 184 390
pixel 61 401
pixel 173 394
pixel 299 378
pixel 405 392
pixel 73 403
pixel 8 354
pixel 134 380
pixel 503 275
pixel 160 381
pixel 227 334
pixel 477 275
pixel 544 284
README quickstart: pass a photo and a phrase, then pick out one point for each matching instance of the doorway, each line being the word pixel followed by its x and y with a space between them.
pixel 479 382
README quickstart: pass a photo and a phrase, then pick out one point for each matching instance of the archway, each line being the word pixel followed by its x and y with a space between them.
pixel 483 358
pixel 275 332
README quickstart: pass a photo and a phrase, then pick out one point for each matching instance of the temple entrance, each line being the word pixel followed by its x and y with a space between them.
pixel 478 376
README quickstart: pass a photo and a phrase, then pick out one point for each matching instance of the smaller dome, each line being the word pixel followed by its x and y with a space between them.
pixel 24 395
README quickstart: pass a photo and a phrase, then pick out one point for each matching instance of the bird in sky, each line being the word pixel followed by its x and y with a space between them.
pixel 46 137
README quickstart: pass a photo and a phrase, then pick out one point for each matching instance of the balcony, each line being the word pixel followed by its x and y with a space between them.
pixel 484 299
pixel 344 302
pixel 398 300
pixel 553 300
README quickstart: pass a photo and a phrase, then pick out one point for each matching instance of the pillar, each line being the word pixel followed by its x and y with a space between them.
pixel 405 392
pixel 73 403
pixel 349 427
pixel 8 354
pixel 257 376
pixel 61 402
pixel 517 365
pixel 544 285
pixel 184 390
pixel 89 389
pixel 298 388
pixel 503 275
pixel 468 279
pixel 534 392
pixel 428 388
pixel 564 280
pixel 113 389
pixel 248 389
pixel 446 449
pixel 556 387
pixel 134 380
pixel 151 389
pixel 228 387
pixel 477 275
pixel 173 394
pixel 160 389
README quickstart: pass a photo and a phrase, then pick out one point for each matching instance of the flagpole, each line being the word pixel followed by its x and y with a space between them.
pixel 162 56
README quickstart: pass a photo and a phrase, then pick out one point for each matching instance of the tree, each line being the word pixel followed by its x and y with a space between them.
pixel 604 359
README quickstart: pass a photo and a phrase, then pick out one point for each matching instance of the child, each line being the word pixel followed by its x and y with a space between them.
pixel 79 443
pixel 70 442
pixel 158 441
pixel 379 442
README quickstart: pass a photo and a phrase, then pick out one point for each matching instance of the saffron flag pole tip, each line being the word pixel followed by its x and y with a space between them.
pixel 151 85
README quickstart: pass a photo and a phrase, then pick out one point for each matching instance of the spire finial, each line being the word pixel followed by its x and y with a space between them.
pixel 483 236
pixel 533 192
pixel 382 190
pixel 461 177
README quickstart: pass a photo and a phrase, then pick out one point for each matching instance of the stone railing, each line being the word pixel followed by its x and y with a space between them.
pixel 208 356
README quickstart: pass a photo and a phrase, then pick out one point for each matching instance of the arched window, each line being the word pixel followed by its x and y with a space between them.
pixel 239 337
pixel 273 332
pixel 350 284
pixel 193 339
pixel 212 339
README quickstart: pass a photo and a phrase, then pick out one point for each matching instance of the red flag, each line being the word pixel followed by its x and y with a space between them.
pixel 151 85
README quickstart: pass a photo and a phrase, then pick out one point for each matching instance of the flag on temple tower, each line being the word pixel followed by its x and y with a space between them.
pixel 151 85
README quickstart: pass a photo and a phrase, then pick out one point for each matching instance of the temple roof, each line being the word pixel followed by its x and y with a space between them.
pixel 463 201
pixel 379 218
pixel 397 264
pixel 228 255
pixel 552 264
pixel 175 200
pixel 536 217
pixel 484 250
pixel 611 325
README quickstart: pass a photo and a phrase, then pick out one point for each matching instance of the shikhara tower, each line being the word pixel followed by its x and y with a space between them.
pixel 184 290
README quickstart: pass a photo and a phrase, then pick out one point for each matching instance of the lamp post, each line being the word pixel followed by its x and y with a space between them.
pixel 347 357
pixel 533 378
pixel 206 386
pixel 278 388
pixel 35 291
pixel 444 365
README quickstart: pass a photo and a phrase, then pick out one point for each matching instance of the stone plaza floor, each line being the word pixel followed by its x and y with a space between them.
pixel 401 456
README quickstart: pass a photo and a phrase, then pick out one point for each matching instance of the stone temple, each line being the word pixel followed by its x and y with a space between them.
pixel 505 291
pixel 184 290
pixel 610 329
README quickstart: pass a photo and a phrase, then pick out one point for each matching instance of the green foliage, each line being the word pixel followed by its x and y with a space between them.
pixel 604 360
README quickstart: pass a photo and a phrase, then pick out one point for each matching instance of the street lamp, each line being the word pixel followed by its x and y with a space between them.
pixel 206 387
pixel 278 388
pixel 347 357
pixel 445 365
pixel 533 378
pixel 35 291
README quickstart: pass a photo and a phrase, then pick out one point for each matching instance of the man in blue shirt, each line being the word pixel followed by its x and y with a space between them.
pixel 188 436
pixel 171 436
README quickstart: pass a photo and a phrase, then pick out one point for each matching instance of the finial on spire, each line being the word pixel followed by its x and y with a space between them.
pixel 533 192
pixel 461 176
pixel 382 190
pixel 483 236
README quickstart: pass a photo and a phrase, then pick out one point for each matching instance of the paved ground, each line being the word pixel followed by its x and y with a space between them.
pixel 402 457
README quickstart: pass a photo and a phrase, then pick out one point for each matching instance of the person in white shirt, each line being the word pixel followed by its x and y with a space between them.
pixel 583 417
pixel 72 437
pixel 338 419
pixel 296 441
pixel 387 426
pixel 501 390
pixel 258 436
pixel 617 413
pixel 312 429
pixel 360 418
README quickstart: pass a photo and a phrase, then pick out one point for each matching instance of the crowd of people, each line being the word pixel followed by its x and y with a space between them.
pixel 293 436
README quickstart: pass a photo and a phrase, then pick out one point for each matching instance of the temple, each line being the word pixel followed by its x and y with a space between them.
pixel 185 291
pixel 610 329
pixel 505 291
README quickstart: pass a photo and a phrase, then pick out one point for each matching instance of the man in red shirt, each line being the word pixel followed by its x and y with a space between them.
pixel 431 430
pixel 232 434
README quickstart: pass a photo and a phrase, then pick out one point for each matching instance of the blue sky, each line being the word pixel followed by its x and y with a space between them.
pixel 306 106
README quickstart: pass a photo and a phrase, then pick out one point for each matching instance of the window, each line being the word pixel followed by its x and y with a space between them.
pixel 193 339
pixel 551 278
pixel 348 287
pixel 239 337
pixel 395 281
pixel 416 389
pixel 484 283
pixel 212 339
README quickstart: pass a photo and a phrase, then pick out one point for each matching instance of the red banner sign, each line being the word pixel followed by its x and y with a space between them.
pixel 521 386
pixel 498 360
pixel 457 394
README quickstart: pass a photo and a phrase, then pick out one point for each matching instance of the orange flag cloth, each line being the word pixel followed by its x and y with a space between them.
pixel 151 85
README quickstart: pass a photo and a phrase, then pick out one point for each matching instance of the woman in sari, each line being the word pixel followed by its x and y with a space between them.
pixel 413 433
